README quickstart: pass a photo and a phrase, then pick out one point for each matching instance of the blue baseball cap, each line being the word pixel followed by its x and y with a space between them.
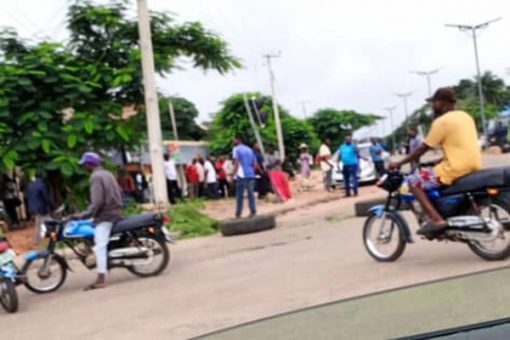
pixel 90 158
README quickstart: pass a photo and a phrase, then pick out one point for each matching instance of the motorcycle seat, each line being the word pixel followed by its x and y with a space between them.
pixel 480 180
pixel 135 222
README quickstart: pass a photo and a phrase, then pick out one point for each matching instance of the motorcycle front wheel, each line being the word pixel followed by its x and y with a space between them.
pixel 382 238
pixel 8 295
pixel 159 253
pixel 45 274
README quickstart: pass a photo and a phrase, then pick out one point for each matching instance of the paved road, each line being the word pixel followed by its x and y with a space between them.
pixel 313 257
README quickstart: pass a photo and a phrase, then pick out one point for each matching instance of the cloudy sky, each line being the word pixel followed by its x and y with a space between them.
pixel 340 54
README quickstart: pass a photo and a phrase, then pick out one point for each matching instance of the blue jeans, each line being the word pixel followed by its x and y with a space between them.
pixel 350 173
pixel 243 184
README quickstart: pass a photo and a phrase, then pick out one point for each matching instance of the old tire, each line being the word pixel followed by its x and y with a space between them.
pixel 247 225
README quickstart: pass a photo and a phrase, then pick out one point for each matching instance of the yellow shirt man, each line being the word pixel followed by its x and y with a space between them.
pixel 455 132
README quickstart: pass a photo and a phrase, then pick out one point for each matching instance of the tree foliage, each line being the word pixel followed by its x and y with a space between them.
pixel 185 115
pixel 233 119
pixel 335 124
pixel 58 100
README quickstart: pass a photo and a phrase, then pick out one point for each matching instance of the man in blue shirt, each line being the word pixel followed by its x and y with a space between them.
pixel 349 156
pixel 245 166
pixel 376 151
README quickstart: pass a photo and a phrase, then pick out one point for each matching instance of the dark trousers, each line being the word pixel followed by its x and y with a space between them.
pixel 212 190
pixel 263 185
pixel 10 208
pixel 173 190
pixel 379 168
pixel 350 173
pixel 201 189
pixel 223 183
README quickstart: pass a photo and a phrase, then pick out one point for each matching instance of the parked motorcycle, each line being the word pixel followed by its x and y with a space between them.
pixel 9 277
pixel 137 243
pixel 476 207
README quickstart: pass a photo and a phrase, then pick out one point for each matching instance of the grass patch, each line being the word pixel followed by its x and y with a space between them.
pixel 187 220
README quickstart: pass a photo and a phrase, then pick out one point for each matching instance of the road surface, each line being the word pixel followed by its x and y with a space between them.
pixel 314 256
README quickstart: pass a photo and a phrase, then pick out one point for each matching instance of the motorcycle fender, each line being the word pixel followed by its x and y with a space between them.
pixel 34 255
pixel 379 211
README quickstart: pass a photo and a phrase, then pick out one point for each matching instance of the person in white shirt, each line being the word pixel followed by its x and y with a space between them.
pixel 210 179
pixel 171 179
pixel 326 165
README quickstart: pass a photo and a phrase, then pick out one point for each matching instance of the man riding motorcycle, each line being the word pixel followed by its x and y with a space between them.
pixel 455 131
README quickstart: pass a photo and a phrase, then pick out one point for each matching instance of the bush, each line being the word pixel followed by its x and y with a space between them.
pixel 187 219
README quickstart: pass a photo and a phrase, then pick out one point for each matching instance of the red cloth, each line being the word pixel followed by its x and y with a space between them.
pixel 219 170
pixel 192 174
pixel 280 184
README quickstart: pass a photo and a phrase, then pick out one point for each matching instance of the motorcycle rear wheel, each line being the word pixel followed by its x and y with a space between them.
pixel 158 246
pixel 8 295
pixel 499 207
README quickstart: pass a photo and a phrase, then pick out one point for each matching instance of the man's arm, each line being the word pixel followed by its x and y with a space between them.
pixel 412 157
pixel 236 167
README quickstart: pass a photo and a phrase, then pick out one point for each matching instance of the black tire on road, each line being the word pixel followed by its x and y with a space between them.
pixel 247 225
pixel 8 296
pixel 62 267
pixel 164 263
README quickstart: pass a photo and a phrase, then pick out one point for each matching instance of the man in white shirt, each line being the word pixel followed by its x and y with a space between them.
pixel 171 179
pixel 201 174
pixel 326 165
pixel 210 179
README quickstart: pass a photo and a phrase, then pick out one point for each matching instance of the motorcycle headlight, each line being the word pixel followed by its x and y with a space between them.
pixel 43 230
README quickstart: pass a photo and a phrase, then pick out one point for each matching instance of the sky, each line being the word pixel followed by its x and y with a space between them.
pixel 338 54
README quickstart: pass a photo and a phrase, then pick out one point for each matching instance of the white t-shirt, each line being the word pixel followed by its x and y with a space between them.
pixel 170 171
pixel 211 172
pixel 324 151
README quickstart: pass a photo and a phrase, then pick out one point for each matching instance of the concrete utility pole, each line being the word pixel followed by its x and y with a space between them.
pixel 172 119
pixel 472 30
pixel 303 106
pixel 427 74
pixel 390 110
pixel 404 96
pixel 279 133
pixel 152 108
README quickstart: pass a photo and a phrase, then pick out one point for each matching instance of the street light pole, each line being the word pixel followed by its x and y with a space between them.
pixel 427 74
pixel 390 110
pixel 279 133
pixel 404 96
pixel 152 107
pixel 472 29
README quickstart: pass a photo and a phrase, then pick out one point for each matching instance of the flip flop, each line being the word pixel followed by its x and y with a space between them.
pixel 95 286
pixel 431 228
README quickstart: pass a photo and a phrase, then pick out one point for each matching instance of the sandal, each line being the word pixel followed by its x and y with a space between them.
pixel 95 286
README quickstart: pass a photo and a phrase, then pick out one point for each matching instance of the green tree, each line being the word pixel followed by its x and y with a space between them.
pixel 58 100
pixel 233 119
pixel 185 115
pixel 335 124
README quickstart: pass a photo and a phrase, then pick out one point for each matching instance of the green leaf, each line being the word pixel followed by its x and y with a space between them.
pixel 89 126
pixel 45 144
pixel 122 132
pixel 71 141
pixel 67 169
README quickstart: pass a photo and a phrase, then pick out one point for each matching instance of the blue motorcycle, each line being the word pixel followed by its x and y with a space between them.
pixel 9 277
pixel 137 243
pixel 476 207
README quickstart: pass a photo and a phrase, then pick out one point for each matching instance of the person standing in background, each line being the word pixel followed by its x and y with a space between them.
pixel 262 184
pixel 414 143
pixel 192 178
pixel 38 204
pixel 222 176
pixel 171 179
pixel 10 199
pixel 376 153
pixel 305 161
pixel 228 166
pixel 324 158
pixel 245 166
pixel 210 179
pixel 349 156
pixel 201 175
